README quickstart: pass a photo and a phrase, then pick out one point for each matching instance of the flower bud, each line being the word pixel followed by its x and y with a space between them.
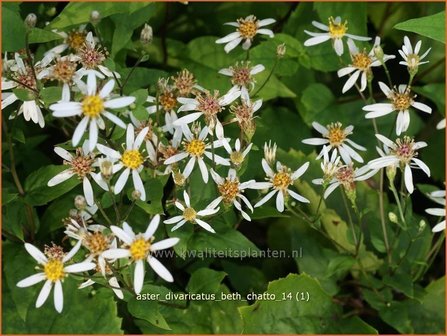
pixel 30 20
pixel 378 52
pixel 73 213
pixel 106 168
pixel 422 225
pixel 391 173
pixel 178 177
pixel 236 158
pixel 136 195
pixel 79 202
pixel 146 35
pixel 393 217
pixel 281 50
pixel 95 17
pixel 270 152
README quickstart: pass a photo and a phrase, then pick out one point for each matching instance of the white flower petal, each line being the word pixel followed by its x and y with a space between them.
pixel 152 227
pixel 58 296
pixel 138 277
pixel 80 267
pixel 164 244
pixel 31 280
pixel 36 253
pixel 205 225
pixel 44 292
pixel 121 182
pixel 160 269
pixel 119 102
pixel 408 178
pixel 116 253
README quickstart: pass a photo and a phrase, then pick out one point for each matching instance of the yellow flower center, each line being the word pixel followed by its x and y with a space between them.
pixel 337 30
pixel 236 158
pixel 139 249
pixel 336 134
pixel 132 159
pixel 96 242
pixel 189 214
pixel 413 60
pixel 75 40
pixel 63 71
pixel 195 147
pixel 81 164
pixel 361 61
pixel 281 180
pixel 92 106
pixel 248 27
pixel 168 101
pixel 401 101
pixel 54 270
pixel 229 190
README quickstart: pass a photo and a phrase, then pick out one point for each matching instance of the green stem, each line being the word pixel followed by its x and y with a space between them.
pixel 267 79
pixel 101 209
pixel 130 74
pixel 348 212
pixel 399 206
pixel 388 76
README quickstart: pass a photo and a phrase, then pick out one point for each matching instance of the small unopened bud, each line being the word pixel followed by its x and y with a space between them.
pixel 270 152
pixel 393 217
pixel 106 168
pixel 178 177
pixel 391 173
pixel 136 195
pixel 73 213
pixel 378 52
pixel 95 17
pixel 79 202
pixel 51 11
pixel 281 50
pixel 31 20
pixel 146 34
pixel 236 158
pixel 422 225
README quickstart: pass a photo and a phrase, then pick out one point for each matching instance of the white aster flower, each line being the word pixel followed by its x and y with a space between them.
pixel 280 181
pixel 131 160
pixel 196 147
pixel 140 247
pixel 346 176
pixel 335 137
pixel 438 197
pixel 244 115
pixel 400 101
pixel 236 156
pixel 246 29
pixel 82 166
pixel 411 57
pixel 230 189
pixel 191 215
pixel 73 40
pixel 53 272
pixel 242 77
pixel 207 105
pixel 92 108
pixel 23 79
pixel 361 65
pixel 401 153
pixel 329 166
pixel 335 32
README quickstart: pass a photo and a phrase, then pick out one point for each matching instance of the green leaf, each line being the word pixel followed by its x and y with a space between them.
pixel 51 94
pixel 154 194
pixel 141 78
pixel 432 26
pixel 38 35
pixel 13 24
pixel 36 185
pixel 77 13
pixel 205 280
pixel 315 315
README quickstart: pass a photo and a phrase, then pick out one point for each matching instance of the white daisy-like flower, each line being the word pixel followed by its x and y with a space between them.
pixel 329 166
pixel 151 139
pixel 400 101
pixel 196 147
pixel 53 272
pixel 141 247
pixel 22 73
pixel 236 156
pixel 411 57
pixel 207 105
pixel 230 189
pixel 438 197
pixel 441 124
pixel 191 215
pixel 345 176
pixel 244 114
pixel 401 153
pixel 242 77
pixel 246 29
pixel 336 137
pixel 280 181
pixel 92 108
pixel 73 40
pixel 131 160
pixel 92 237
pixel 334 32
pixel 361 65
pixel 82 165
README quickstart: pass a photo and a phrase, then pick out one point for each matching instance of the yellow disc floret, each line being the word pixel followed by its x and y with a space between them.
pixel 281 180
pixel 248 27
pixel 189 214
pixel 337 30
pixel 401 101
pixel 132 159
pixel 361 61
pixel 195 147
pixel 92 106
pixel 76 39
pixel 139 249
pixel 336 135
pixel 54 270
pixel 229 190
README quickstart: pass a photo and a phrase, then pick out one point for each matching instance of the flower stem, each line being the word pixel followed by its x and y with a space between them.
pixel 267 79
pixel 348 212
pixel 399 206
